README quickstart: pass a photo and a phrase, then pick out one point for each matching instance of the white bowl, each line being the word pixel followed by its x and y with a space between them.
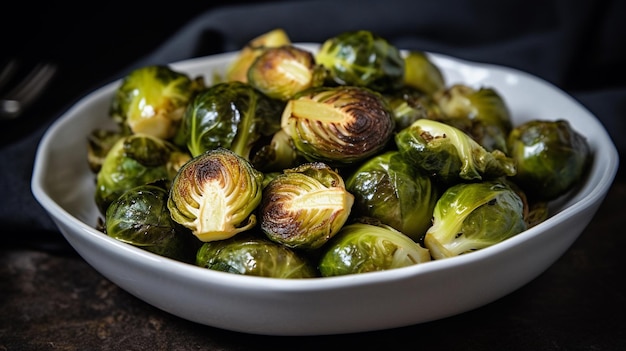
pixel 64 186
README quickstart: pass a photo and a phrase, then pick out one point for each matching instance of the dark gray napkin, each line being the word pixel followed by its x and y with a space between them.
pixel 576 46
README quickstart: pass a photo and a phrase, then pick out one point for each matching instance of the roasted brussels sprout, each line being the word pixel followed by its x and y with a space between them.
pixel 256 256
pixel 409 104
pixel 338 125
pixel 140 217
pixel 238 69
pixel 473 216
pixel 215 195
pixel 283 71
pixel 152 99
pixel 362 58
pixel 279 154
pixel 364 247
pixel 305 206
pixel 481 113
pixel 421 73
pixel 99 143
pixel 551 158
pixel 450 154
pixel 134 160
pixel 388 188
pixel 232 115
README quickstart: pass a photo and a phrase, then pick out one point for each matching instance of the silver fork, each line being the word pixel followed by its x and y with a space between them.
pixel 13 103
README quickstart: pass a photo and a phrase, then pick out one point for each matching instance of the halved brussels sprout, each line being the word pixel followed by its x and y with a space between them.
pixel 140 218
pixel 238 68
pixel 305 206
pixel 281 72
pixel 134 160
pixel 450 154
pixel 232 115
pixel 365 247
pixel 250 255
pixel 215 195
pixel 473 216
pixel 551 157
pixel 481 113
pixel 338 125
pixel 421 73
pixel 152 99
pixel 390 189
pixel 362 58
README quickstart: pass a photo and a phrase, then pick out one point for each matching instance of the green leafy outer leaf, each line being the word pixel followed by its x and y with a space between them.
pixel 390 189
pixel 140 217
pixel 249 255
pixel 232 115
pixel 362 58
pixel 361 248
pixel 450 154
pixel 473 216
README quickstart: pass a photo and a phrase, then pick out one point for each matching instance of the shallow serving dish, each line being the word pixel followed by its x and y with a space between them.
pixel 64 186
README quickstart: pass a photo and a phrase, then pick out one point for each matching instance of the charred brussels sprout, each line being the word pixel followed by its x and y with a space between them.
pixel 249 255
pixel 232 115
pixel 279 154
pixel 134 160
pixel 305 206
pixel 283 71
pixel 238 69
pixel 362 58
pixel 338 125
pixel 481 113
pixel 363 247
pixel 140 217
pixel 152 99
pixel 215 194
pixel 551 158
pixel 421 73
pixel 450 154
pixel 473 216
pixel 388 188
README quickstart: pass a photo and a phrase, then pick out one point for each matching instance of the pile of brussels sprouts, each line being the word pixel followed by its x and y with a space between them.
pixel 294 164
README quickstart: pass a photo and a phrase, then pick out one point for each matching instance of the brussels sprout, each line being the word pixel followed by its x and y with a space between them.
pixel 238 68
pixel 472 216
pixel 551 157
pixel 409 104
pixel 152 99
pixel 99 142
pixel 279 154
pixel 421 73
pixel 364 247
pixel 450 154
pixel 134 160
pixel 232 115
pixel 362 58
pixel 481 113
pixel 338 125
pixel 283 71
pixel 250 255
pixel 305 206
pixel 140 217
pixel 215 194
pixel 388 188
